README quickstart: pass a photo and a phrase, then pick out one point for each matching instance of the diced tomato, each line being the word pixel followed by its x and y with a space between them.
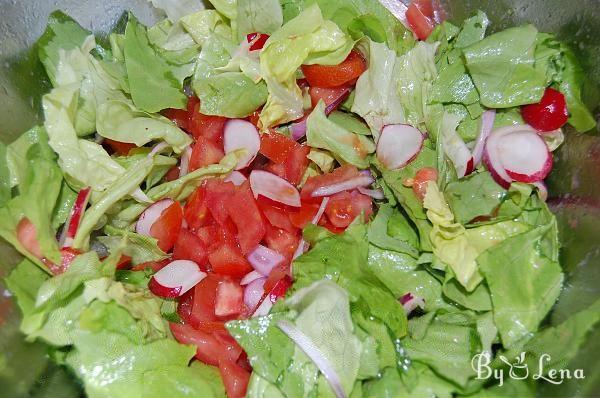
pixel 257 40
pixel 335 75
pixel 195 211
pixel 276 168
pixel 282 241
pixel 276 214
pixel 328 95
pixel 181 117
pixel 245 214
pixel 155 266
pixel 205 152
pixel 274 277
pixel 120 148
pixel 296 164
pixel 166 227
pixel 235 378
pixel 280 289
pixel 197 306
pixel 217 194
pixel 244 362
pixel 207 126
pixel 124 262
pixel 276 146
pixel 67 255
pixel 189 247
pixel 229 300
pixel 27 237
pixel 226 259
pixel 419 21
pixel 339 175
pixel 172 174
pixel 208 348
pixel 344 207
pixel 255 117
pixel 549 114
pixel 304 214
pixel 426 7
pixel 233 350
pixel 421 180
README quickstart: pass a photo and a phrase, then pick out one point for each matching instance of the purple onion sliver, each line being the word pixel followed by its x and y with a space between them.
pixel 373 193
pixel 253 292
pixel 332 107
pixel 487 123
pixel 298 130
pixel 321 210
pixel 264 259
pixel 348 185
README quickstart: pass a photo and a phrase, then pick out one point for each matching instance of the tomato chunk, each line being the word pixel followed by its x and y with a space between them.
pixel 205 152
pixel 549 114
pixel 208 348
pixel 217 194
pixel 282 241
pixel 189 247
pixel 229 300
pixel 328 95
pixel 296 164
pixel 276 214
pixel 166 227
pixel 421 24
pixel 335 75
pixel 235 378
pixel 195 212
pixel 421 180
pixel 207 126
pixel 226 259
pixel 344 207
pixel 246 216
pixel 118 147
pixel 197 306
pixel 303 216
pixel 339 175
pixel 276 146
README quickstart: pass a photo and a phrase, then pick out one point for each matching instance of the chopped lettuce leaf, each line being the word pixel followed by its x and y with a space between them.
pixel 477 195
pixel 140 248
pixel 202 24
pixel 24 282
pixel 350 122
pixel 391 231
pixel 177 9
pixel 16 153
pixel 262 16
pixel 5 183
pixel 344 145
pixel 502 68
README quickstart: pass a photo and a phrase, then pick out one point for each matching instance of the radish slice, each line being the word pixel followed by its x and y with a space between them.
pixel 253 292
pixel 185 161
pixel 176 278
pixel 250 277
pixel 341 98
pixel 398 145
pixel 236 178
pixel 491 155
pixel 374 193
pixel 241 134
pixel 298 130
pixel 542 189
pixel 487 123
pixel 525 156
pixel 315 354
pixel 264 259
pixel 150 215
pixel 320 212
pixel 410 303
pixel 458 153
pixel 72 224
pixel 363 180
pixel 273 187
pixel 397 9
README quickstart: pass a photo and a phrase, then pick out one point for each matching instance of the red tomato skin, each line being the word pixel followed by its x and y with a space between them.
pixel 275 214
pixel 181 117
pixel 421 25
pixel 189 247
pixel 124 262
pixel 118 147
pixel 296 164
pixel 229 300
pixel 303 216
pixel 217 194
pixel 340 174
pixel 344 207
pixel 154 266
pixel 259 40
pixel 166 228
pixel 276 147
pixel 549 114
pixel 207 126
pixel 233 350
pixel 335 75
pixel 235 378
pixel 208 348
pixel 255 117
pixel 421 180
pixel 27 237
pixel 276 168
pixel 226 259
pixel 246 216
pixel 283 242
pixel 205 152
pixel 426 7
pixel 67 255
pixel 195 211
pixel 197 306
pixel 328 95
pixel 172 174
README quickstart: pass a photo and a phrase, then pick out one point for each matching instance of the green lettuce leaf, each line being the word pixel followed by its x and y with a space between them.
pixel 24 282
pixel 16 152
pixel 202 24
pixel 177 9
pixel 502 68
pixel 5 186
pixel 524 284
pixel 344 145
pixel 391 231
pixel 140 248
pixel 264 16
pixel 153 85
pixel 477 195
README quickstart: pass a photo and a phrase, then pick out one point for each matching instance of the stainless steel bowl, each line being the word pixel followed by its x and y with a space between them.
pixel 574 183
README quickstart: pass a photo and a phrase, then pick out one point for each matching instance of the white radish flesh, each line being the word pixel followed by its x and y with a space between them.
pixel 253 292
pixel 176 278
pixel 273 187
pixel 458 153
pixel 150 215
pixel 236 178
pixel 398 145
pixel 241 134
pixel 487 123
pixel 525 156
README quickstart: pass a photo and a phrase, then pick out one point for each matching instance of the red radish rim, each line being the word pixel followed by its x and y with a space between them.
pixel 363 180
pixel 487 124
pixel 274 187
pixel 176 278
pixel 411 302
pixel 150 215
pixel 264 308
pixel 525 156
pixel 398 145
pixel 236 178
pixel 75 216
pixel 241 134
pixel 491 155
pixel 264 259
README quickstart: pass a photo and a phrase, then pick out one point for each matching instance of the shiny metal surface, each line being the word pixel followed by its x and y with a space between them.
pixel 574 184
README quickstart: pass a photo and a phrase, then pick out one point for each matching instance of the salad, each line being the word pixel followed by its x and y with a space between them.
pixel 294 199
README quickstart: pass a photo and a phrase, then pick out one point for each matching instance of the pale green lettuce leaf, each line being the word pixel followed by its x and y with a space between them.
pixel 140 248
pixel 477 195
pixel 502 68
pixel 24 282
pixel 263 16
pixel 344 145
pixel 202 24
pixel 350 122
pixel 16 153
pixel 5 181
pixel 177 9
pixel 226 7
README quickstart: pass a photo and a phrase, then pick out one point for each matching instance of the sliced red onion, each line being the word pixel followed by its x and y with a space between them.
pixel 273 187
pixel 397 9
pixel 176 278
pixel 410 302
pixel 353 183
pixel 315 354
pixel 241 134
pixel 525 156
pixel 542 189
pixel 321 210
pixel 140 196
pixel 264 259
pixel 158 148
pixel 250 277
pixel 341 98
pixel 263 309
pixel 398 145
pixel 298 129
pixel 253 292
pixel 185 161
pixel 374 193
pixel 236 178
pixel 72 224
pixel 302 248
pixel 150 215
pixel 487 123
